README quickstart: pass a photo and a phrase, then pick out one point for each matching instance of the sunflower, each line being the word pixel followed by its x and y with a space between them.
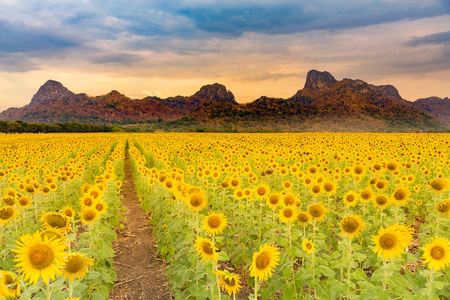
pixel 352 226
pixel 205 248
pixel 381 185
pixel 381 201
pixel 308 246
pixel 89 216
pixel 56 221
pixel 438 185
pixel 400 196
pixel 86 201
pixel 68 212
pixel 330 188
pixel 196 201
pixel 9 285
pixel 365 194
pixel 37 257
pixel 392 241
pixel 214 223
pixel 262 190
pixel 350 199
pixel 287 184
pixel 437 253
pixel 273 201
pixel 7 214
pixel 317 211
pixel 24 202
pixel 76 265
pixel 231 283
pixel 118 184
pixel 443 208
pixel 316 189
pixel 289 199
pixel 53 234
pixel 8 200
pixel 288 214
pixel 101 207
pixel 264 261
pixel 303 218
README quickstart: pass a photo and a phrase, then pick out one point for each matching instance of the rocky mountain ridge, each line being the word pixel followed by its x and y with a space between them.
pixel 344 104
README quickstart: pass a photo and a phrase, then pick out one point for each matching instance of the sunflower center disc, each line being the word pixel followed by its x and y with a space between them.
pixel 196 200
pixel 437 252
pixel 381 200
pixel 263 260
pixel 229 282
pixel 328 187
pixel 74 265
pixel 288 213
pixel 309 246
pixel 207 248
pixel 261 191
pixel 41 256
pixel 365 195
pixel 388 241
pixel 88 202
pixel 315 211
pixel 400 195
pixel 350 198
pixel 437 184
pixel 89 215
pixel 350 225
pixel 8 200
pixel 302 217
pixel 214 222
pixel 56 221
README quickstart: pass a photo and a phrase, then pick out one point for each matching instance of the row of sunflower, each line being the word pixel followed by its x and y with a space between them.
pixel 299 216
pixel 59 209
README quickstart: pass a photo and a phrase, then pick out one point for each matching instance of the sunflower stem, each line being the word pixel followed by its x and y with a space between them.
pixel 349 267
pixel 48 292
pixel 256 288
pixel 70 287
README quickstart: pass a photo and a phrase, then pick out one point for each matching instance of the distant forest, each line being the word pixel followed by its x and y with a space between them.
pixel 23 127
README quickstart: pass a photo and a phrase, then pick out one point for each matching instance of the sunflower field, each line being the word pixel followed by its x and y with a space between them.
pixel 235 216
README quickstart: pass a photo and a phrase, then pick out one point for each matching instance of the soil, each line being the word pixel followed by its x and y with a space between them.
pixel 140 273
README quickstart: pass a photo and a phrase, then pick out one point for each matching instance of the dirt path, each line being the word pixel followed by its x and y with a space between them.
pixel 140 274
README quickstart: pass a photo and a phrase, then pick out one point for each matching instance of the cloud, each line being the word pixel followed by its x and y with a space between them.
pixel 435 38
pixel 18 37
pixel 147 93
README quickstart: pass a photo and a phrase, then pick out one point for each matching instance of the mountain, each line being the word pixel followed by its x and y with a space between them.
pixel 323 104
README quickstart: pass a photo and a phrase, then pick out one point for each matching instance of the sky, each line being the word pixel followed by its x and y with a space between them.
pixel 254 47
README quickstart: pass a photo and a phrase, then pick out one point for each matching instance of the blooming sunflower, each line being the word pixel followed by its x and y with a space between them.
pixel 9 285
pixel 303 218
pixel 289 199
pixel 365 194
pixel 264 261
pixel 350 199
pixel 86 201
pixel 68 212
pixel 317 211
pixel 262 190
pixel 273 201
pixel 392 241
pixel 76 265
pixel 381 201
pixel 196 201
pixel 205 248
pixel 400 196
pixel 438 185
pixel 231 283
pixel 37 257
pixel 316 189
pixel 7 214
pixel 288 214
pixel 330 188
pixel 352 226
pixel 437 253
pixel 308 246
pixel 443 208
pixel 89 216
pixel 8 200
pixel 56 221
pixel 214 223
pixel 101 207
pixel 24 202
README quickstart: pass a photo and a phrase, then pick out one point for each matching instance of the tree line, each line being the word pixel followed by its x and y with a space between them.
pixel 23 127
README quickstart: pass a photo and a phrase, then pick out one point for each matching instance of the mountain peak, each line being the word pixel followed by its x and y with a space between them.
pixel 320 81
pixel 215 92
pixel 51 90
